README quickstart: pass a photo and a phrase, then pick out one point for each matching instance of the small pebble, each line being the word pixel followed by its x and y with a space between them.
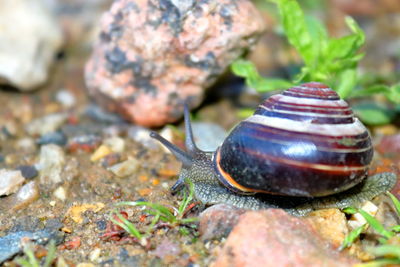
pixel 57 138
pixel 52 203
pixel 51 163
pixel 25 196
pixel 357 220
pixel 28 171
pixel 66 98
pixel 100 153
pixel 166 249
pixel 26 144
pixel 46 124
pixel 143 178
pixel 115 143
pixel 96 113
pixel 95 254
pixel 10 181
pixel 85 264
pixel 142 135
pixel 87 143
pixel 125 168
pixel 144 192
pixel 60 193
pixel 75 212
pixel 110 159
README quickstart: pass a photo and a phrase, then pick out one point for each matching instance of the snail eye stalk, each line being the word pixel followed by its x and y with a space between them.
pixel 181 155
pixel 189 139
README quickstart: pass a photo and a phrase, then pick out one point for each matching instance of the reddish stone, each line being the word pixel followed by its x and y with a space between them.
pixel 274 238
pixel 153 56
pixel 389 145
pixel 217 221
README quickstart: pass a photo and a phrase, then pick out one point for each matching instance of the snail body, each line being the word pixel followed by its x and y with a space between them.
pixel 300 148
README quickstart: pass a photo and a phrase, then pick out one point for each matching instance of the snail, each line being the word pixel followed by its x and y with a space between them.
pixel 301 150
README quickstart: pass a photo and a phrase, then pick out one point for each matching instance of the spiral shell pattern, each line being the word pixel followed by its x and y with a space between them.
pixel 303 142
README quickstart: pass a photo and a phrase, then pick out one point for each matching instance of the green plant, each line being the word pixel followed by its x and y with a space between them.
pixel 332 61
pixel 386 253
pixel 30 260
pixel 329 60
pixel 160 213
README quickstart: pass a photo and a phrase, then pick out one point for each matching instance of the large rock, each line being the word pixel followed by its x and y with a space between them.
pixel 274 238
pixel 29 39
pixel 153 56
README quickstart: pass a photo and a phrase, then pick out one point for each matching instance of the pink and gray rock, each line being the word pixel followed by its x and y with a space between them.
pixel 153 55
pixel 274 238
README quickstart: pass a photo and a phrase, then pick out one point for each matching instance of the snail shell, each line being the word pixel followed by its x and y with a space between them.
pixel 303 142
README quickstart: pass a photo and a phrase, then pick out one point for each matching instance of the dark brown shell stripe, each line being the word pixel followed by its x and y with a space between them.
pixel 315 138
pixel 317 105
pixel 312 90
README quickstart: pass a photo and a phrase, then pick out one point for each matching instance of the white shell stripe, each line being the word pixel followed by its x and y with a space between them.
pixel 309 101
pixel 291 106
pixel 313 114
pixel 307 95
pixel 349 129
pixel 319 148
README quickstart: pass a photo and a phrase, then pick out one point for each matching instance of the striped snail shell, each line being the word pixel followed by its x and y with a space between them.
pixel 302 142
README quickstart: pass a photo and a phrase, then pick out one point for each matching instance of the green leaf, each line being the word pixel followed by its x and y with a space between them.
pixel 246 69
pixel 347 46
pixel 348 80
pixel 379 263
pixel 393 94
pixel 374 223
pixel 395 228
pixel 373 113
pixel 352 24
pixel 375 89
pixel 245 112
pixel 350 210
pixel 395 201
pixel 351 237
pixel 386 250
pixel 296 29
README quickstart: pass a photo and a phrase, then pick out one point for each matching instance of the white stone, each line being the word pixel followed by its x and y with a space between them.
pixel 51 163
pixel 125 168
pixel 357 220
pixel 115 143
pixel 29 39
pixel 46 124
pixel 10 181
pixel 60 193
pixel 94 255
pixel 66 98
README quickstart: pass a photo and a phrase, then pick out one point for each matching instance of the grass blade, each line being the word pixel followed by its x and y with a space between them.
pixel 127 226
pixel 395 201
pixel 163 210
pixel 51 253
pixel 351 237
pixel 374 223
pixel 386 250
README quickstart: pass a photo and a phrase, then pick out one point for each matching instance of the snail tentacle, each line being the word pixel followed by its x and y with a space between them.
pixel 181 155
pixel 189 139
